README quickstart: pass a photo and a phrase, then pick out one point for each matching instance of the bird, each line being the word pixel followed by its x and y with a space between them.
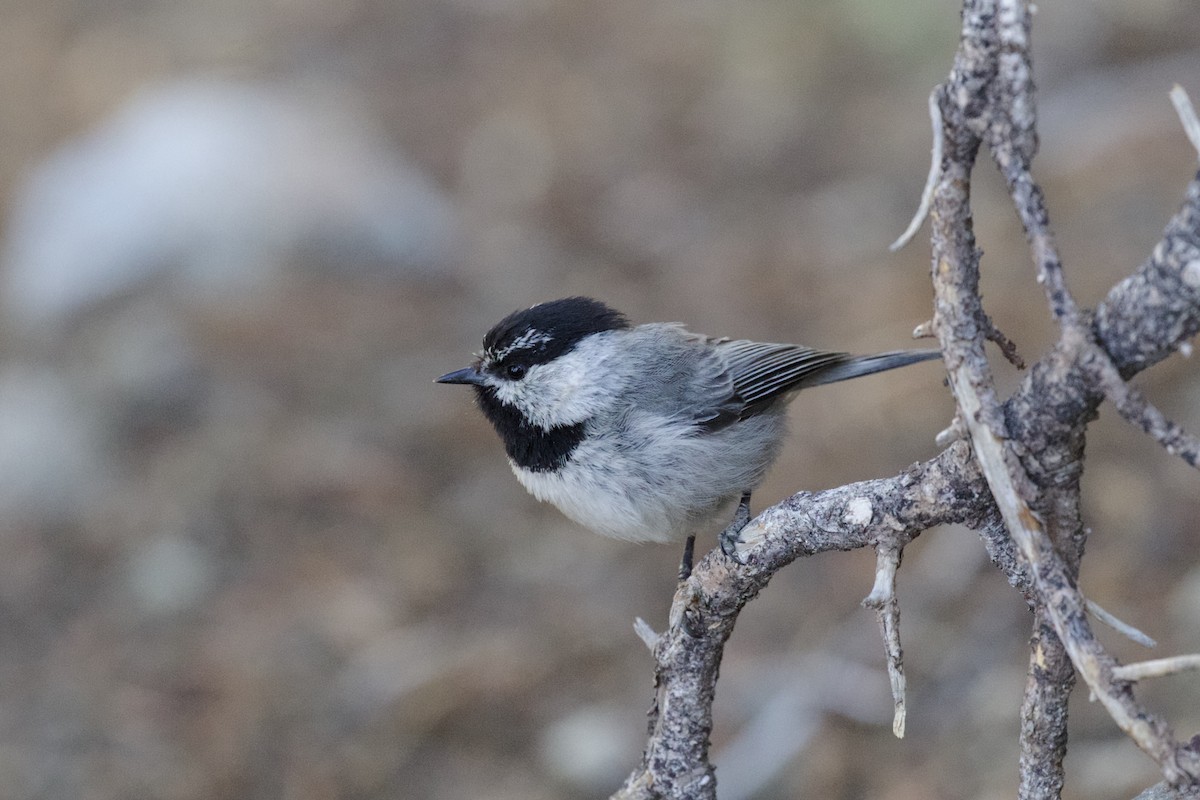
pixel 650 432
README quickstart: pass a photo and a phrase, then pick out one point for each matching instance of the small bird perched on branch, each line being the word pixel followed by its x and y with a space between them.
pixel 647 432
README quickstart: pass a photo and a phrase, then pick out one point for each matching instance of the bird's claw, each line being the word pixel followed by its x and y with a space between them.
pixel 685 564
pixel 731 537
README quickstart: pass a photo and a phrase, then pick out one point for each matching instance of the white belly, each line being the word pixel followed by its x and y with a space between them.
pixel 665 486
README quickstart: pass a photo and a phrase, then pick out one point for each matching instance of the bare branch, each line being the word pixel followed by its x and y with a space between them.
pixel 1020 472
pixel 1008 348
pixel 1137 410
pixel 1011 134
pixel 1152 313
pixel 997 32
pixel 1043 742
pixel 1165 791
pixel 645 633
pixel 1158 668
pixel 883 599
pixel 1187 115
pixel 688 654
pixel 1122 627
pixel 935 164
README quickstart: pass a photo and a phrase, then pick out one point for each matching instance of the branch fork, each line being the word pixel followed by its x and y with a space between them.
pixel 1009 468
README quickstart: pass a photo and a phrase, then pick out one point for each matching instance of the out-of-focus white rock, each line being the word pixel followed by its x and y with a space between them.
pixel 590 748
pixel 215 184
pixel 170 574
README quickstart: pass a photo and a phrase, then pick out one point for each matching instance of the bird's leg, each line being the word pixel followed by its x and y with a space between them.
pixel 685 563
pixel 730 537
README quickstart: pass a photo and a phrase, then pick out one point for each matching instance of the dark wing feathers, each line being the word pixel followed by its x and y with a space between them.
pixel 760 372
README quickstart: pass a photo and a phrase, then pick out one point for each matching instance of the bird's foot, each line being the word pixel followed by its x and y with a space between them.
pixel 685 563
pixel 732 535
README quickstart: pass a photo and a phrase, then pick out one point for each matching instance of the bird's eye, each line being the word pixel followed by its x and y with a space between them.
pixel 515 371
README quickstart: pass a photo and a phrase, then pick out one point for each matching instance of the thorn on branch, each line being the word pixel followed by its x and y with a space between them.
pixel 924 330
pixel 954 432
pixel 1008 348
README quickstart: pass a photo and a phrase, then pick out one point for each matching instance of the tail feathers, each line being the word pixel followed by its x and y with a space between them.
pixel 857 366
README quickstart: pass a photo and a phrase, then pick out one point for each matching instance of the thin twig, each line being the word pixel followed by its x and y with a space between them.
pixel 1187 115
pixel 1135 409
pixel 883 599
pixel 1119 625
pixel 972 386
pixel 1011 134
pixel 935 164
pixel 644 632
pixel 1158 668
pixel 1008 348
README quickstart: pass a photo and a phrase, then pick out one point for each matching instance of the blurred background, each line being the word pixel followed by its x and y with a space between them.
pixel 249 550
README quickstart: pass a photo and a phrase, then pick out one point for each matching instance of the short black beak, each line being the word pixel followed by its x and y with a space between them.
pixel 467 375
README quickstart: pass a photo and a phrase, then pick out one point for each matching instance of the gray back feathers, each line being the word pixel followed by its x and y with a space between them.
pixel 719 381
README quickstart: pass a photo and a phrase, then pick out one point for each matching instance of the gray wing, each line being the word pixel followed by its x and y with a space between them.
pixel 756 373
pixel 762 371
pixel 759 373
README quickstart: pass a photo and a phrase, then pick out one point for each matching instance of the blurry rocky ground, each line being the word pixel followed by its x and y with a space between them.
pixel 249 550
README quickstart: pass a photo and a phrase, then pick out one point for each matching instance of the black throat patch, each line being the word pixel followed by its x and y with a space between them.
pixel 529 446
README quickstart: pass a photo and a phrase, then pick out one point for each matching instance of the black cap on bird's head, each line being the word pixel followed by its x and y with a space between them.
pixel 548 330
pixel 538 335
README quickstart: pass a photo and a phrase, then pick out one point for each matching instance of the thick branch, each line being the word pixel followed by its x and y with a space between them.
pixel 688 654
pixel 948 488
pixel 1029 460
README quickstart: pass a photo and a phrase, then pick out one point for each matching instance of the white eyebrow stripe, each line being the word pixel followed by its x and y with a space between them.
pixel 526 341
